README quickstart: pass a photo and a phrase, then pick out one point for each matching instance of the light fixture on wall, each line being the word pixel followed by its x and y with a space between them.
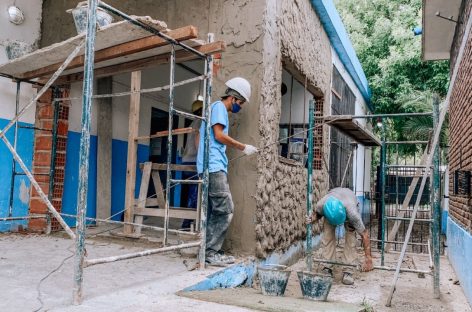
pixel 15 15
pixel 379 122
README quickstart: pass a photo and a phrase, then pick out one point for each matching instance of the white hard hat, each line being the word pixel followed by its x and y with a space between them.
pixel 240 85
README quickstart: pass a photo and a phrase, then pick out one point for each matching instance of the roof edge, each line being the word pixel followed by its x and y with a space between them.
pixel 341 43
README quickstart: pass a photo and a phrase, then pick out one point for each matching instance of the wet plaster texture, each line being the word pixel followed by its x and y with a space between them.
pixel 293 35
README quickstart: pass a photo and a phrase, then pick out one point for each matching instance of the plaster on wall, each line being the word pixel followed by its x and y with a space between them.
pixel 292 32
pixel 28 32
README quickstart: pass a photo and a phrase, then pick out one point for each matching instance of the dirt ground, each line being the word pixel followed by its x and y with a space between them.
pixel 367 294
pixel 30 268
pixel 412 292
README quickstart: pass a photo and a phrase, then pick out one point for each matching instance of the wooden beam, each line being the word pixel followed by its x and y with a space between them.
pixel 132 150
pixel 123 49
pixel 174 212
pixel 145 63
pixel 160 196
pixel 173 167
pixel 160 134
pixel 143 190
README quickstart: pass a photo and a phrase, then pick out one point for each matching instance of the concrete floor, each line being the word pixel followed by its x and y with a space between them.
pixel 142 284
pixel 151 283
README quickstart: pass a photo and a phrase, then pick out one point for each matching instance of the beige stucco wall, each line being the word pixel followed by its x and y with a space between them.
pixel 293 33
pixel 269 196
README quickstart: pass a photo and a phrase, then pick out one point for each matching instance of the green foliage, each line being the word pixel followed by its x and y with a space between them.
pixel 381 33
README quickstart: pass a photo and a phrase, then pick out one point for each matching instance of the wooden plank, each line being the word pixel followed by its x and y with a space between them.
pixel 132 150
pixel 353 129
pixel 143 190
pixel 145 63
pixel 173 167
pixel 127 48
pixel 160 134
pixel 174 212
pixel 160 197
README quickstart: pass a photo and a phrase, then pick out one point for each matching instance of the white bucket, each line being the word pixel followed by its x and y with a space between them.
pixel 80 17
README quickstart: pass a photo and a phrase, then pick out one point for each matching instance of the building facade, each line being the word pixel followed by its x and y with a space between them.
pixel 288 50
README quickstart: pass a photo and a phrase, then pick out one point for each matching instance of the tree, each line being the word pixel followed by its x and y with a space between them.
pixel 381 33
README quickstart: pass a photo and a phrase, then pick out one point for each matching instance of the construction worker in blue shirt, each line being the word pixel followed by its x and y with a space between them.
pixel 220 208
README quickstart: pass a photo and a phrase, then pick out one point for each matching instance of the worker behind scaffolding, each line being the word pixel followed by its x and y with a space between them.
pixel 340 206
pixel 190 158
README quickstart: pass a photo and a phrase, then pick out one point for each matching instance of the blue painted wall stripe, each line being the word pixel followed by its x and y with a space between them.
pixel 341 43
pixel 21 192
pixel 119 157
pixel 459 251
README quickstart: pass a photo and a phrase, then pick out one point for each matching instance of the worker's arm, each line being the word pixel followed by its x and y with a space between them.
pixel 225 139
pixel 197 139
pixel 368 265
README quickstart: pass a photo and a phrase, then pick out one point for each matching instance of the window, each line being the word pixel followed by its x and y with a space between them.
pixel 340 159
pixel 293 127
pixel 462 180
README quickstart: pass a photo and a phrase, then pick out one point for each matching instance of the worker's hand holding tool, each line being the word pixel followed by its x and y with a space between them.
pixel 249 149
pixel 309 219
pixel 368 265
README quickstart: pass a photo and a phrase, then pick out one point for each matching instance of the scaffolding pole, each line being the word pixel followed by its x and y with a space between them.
pixel 87 91
pixel 309 186
pixel 436 203
pixel 206 153
pixel 13 165
pixel 383 172
pixel 169 144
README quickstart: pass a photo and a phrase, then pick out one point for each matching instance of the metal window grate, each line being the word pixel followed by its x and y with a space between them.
pixel 462 183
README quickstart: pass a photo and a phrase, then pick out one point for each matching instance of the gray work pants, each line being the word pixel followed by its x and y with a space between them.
pixel 220 211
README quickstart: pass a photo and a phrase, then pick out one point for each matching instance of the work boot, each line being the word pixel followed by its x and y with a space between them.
pixel 327 271
pixel 225 258
pixel 348 279
pixel 216 259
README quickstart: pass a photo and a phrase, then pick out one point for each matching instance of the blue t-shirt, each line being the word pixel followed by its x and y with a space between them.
pixel 218 160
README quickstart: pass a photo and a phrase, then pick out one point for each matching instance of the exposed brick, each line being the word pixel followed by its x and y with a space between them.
pixel 460 123
pixel 62 127
pixel 43 143
pixel 45 112
pixel 44 187
pixel 42 158
pixel 37 225
pixel 38 206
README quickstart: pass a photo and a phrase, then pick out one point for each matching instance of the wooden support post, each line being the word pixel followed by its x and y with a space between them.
pixel 160 197
pixel 104 147
pixel 143 190
pixel 132 150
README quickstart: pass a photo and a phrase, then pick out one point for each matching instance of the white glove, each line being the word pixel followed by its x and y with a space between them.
pixel 249 149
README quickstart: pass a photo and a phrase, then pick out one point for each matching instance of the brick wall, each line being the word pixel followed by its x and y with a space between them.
pixel 460 118
pixel 466 7
pixel 42 157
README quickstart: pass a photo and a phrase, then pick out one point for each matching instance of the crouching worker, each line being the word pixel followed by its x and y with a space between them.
pixel 338 207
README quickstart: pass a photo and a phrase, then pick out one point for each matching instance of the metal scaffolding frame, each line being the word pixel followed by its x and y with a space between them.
pixel 426 169
pixel 87 95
